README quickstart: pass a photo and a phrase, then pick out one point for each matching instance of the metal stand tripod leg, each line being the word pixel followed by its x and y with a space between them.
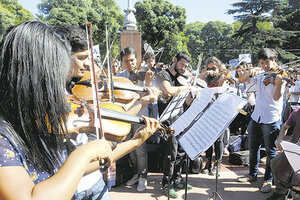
pixel 186 175
pixel 215 194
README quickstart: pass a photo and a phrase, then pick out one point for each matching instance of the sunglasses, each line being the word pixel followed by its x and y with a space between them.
pixel 212 68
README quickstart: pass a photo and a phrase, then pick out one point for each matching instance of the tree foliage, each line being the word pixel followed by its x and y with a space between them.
pixel 102 14
pixel 162 25
pixel 212 39
pixel 260 19
pixel 12 13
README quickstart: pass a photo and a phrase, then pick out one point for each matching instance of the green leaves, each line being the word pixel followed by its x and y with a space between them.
pixel 162 25
pixel 99 13
pixel 12 13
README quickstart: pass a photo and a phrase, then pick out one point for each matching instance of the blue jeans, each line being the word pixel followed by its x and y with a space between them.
pixel 96 192
pixel 258 132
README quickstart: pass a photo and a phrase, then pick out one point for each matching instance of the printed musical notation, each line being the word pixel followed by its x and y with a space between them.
pixel 198 127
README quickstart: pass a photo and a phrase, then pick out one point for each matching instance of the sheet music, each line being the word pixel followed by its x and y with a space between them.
pixel 205 97
pixel 174 106
pixel 292 152
pixel 210 125
pixel 198 105
pixel 251 87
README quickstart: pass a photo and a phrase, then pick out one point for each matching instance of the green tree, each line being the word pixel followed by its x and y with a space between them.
pixel 195 43
pixel 212 39
pixel 102 14
pixel 258 19
pixel 290 13
pixel 162 25
pixel 12 13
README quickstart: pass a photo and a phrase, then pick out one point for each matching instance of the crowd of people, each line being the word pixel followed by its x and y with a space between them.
pixel 39 155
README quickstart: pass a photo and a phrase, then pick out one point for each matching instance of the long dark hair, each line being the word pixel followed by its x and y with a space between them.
pixel 34 63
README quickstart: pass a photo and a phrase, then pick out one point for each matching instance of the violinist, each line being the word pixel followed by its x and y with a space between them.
pixel 80 53
pixel 293 95
pixel 266 117
pixel 115 66
pixel 37 157
pixel 167 79
pixel 139 156
pixel 214 78
pixel 150 69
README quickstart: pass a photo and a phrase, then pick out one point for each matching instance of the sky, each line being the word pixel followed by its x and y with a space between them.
pixel 196 10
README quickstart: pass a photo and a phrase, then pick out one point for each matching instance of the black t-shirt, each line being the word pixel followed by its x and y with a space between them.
pixel 166 75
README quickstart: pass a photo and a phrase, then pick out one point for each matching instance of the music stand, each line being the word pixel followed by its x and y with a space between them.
pixel 292 152
pixel 215 194
pixel 186 173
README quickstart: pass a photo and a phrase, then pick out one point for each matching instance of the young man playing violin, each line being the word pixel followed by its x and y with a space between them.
pixel 266 117
pixel 172 167
pixel 139 157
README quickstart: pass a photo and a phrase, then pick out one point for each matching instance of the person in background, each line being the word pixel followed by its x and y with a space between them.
pixel 173 152
pixel 214 78
pixel 115 66
pixel 265 120
pixel 139 157
pixel 284 175
pixel 150 77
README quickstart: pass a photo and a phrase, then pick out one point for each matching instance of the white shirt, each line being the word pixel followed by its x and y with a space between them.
pixel 295 88
pixel 266 110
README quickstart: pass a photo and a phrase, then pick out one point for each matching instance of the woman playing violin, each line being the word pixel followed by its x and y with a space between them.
pixel 36 155
pixel 213 78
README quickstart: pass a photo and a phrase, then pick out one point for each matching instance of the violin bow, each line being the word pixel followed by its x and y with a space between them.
pixel 198 68
pixel 161 53
pixel 97 121
pixel 109 70
pixel 139 67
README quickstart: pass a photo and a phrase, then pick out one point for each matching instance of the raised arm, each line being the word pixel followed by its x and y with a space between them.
pixel 278 88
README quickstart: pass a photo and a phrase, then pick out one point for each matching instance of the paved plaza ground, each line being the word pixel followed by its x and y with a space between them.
pixel 203 186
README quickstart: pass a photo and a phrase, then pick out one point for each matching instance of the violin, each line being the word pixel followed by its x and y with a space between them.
pixel 124 90
pixel 270 77
pixel 187 79
pixel 141 74
pixel 116 123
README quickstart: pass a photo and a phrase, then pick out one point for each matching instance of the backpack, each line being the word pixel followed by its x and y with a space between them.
pixel 239 157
